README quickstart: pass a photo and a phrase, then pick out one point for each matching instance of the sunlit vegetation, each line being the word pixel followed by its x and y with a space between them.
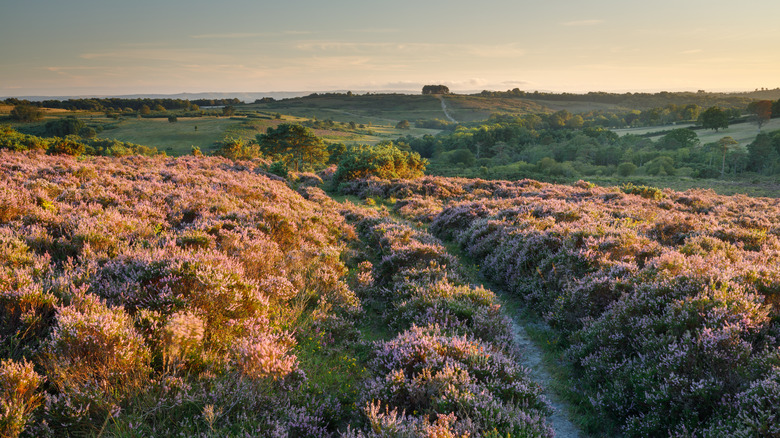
pixel 228 293
pixel 665 302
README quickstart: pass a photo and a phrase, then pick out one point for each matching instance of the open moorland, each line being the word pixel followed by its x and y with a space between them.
pixel 226 269
pixel 674 140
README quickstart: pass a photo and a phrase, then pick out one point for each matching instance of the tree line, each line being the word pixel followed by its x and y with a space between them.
pixel 121 104
pixel 538 146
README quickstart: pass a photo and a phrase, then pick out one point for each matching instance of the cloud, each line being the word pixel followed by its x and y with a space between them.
pixel 582 23
pixel 406 49
pixel 231 35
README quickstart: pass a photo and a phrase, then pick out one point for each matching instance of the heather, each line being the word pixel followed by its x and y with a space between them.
pixel 452 369
pixel 150 296
pixel 665 302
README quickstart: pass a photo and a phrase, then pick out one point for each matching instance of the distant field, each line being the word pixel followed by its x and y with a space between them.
pixel 173 138
pixel 744 133
pixel 178 138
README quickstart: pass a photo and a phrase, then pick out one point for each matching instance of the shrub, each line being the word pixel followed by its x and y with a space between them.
pixel 18 396
pixel 626 169
pixel 95 359
pixel 385 162
pixel 26 113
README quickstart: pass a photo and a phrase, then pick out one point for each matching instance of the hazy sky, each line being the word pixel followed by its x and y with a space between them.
pixel 169 46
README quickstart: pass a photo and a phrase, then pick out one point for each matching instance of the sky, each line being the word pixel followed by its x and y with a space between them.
pixel 117 47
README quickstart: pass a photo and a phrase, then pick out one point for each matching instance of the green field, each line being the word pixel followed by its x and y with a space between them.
pixel 744 133
pixel 173 138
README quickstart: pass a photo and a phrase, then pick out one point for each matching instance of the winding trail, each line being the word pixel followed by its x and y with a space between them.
pixel 532 359
pixel 446 110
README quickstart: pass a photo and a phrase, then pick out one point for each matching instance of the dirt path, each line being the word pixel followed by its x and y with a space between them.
pixel 532 359
pixel 446 111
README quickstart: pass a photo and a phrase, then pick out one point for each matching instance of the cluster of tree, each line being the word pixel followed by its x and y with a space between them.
pixel 331 124
pixel 434 124
pixel 435 89
pixel 26 113
pixel 544 148
pixel 638 100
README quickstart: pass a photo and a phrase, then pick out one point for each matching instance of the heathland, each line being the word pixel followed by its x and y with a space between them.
pixel 357 266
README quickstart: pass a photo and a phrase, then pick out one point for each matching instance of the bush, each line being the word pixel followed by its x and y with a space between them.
pixel 95 359
pixel 385 162
pixel 26 113
pixel 626 169
pixel 64 127
pixel 18 396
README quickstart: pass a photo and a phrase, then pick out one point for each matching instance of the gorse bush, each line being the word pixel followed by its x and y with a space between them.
pixel 382 161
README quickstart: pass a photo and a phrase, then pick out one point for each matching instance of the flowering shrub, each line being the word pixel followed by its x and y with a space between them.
pixel 454 371
pixel 667 300
pixel 18 396
pixel 95 359
pixel 428 373
pixel 139 284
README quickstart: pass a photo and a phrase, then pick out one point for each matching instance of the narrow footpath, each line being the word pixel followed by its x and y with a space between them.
pixel 446 110
pixel 532 359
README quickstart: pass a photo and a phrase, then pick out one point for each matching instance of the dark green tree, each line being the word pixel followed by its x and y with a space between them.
pixel 228 111
pixel 724 145
pixel 88 132
pixel 63 127
pixel 403 124
pixel 26 113
pixel 435 89
pixel 295 144
pixel 679 138
pixel 715 118
pixel 761 153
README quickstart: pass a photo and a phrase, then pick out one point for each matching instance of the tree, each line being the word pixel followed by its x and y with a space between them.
pixel 679 138
pixel 159 108
pixel 172 119
pixel 626 169
pixel 715 118
pixel 761 153
pixel 26 113
pixel 63 127
pixel 435 89
pixel 295 144
pixel 760 111
pixel 88 132
pixel 724 144
pixel 403 124
pixel 145 110
pixel 228 111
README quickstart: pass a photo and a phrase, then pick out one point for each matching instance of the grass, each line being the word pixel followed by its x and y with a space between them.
pixel 744 133
pixel 173 138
